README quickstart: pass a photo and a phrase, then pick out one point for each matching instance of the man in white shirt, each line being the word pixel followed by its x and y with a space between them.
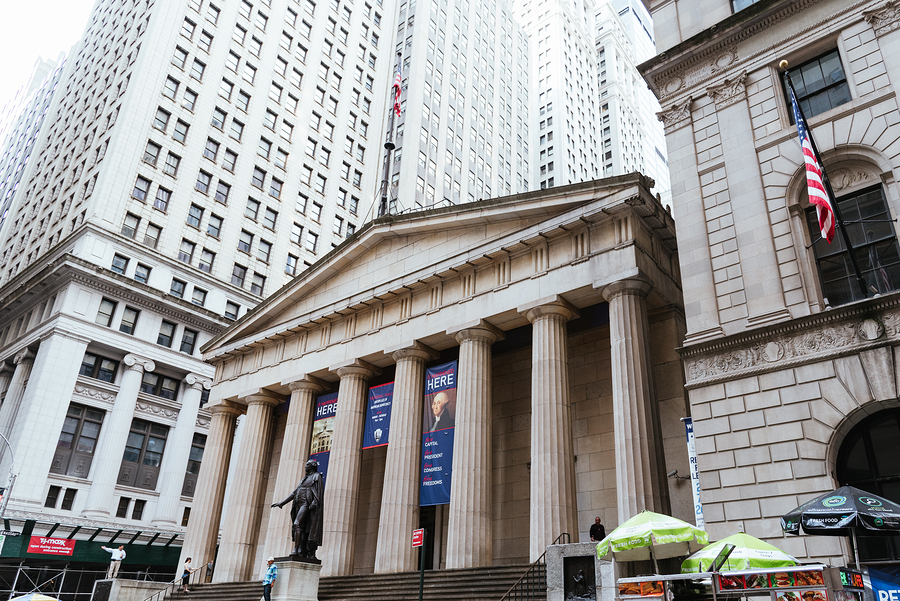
pixel 117 556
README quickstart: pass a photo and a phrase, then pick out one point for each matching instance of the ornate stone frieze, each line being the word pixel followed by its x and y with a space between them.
pixel 202 422
pixel 156 410
pixel 94 393
pixel 713 64
pixel 728 92
pixel 844 178
pixel 885 19
pixel 802 341
pixel 676 116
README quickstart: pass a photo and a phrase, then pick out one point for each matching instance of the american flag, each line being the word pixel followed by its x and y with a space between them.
pixel 396 88
pixel 817 194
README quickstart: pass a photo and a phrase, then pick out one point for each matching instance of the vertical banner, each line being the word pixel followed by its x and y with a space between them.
pixel 378 416
pixel 323 430
pixel 695 472
pixel 438 432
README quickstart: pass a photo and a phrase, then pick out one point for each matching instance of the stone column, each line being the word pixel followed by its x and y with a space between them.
pixel 400 495
pixel 241 525
pixel 114 434
pixel 553 509
pixel 469 542
pixel 23 361
pixel 294 453
pixel 342 486
pixel 635 421
pixel 6 374
pixel 178 452
pixel 206 509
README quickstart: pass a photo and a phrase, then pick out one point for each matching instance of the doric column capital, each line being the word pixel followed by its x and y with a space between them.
pixel 305 382
pixel 198 382
pixel 415 351
pixel 556 306
pixel 632 286
pixel 479 330
pixel 356 368
pixel 224 409
pixel 26 355
pixel 138 364
pixel 261 396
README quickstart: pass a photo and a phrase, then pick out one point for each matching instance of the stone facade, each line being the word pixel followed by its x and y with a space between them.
pixel 548 300
pixel 776 377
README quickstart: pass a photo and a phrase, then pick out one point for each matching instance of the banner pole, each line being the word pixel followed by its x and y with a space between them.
pixel 422 563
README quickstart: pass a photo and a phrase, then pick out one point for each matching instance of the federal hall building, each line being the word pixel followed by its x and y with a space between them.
pixel 563 308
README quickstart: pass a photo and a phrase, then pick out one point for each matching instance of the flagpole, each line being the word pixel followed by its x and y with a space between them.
pixel 388 147
pixel 839 220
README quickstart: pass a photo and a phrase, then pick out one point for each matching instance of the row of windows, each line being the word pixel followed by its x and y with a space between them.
pixel 129 319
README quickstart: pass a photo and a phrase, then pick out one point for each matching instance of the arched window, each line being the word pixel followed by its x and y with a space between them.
pixel 869 459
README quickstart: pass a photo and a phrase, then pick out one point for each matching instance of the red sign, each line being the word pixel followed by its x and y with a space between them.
pixel 51 546
pixel 418 537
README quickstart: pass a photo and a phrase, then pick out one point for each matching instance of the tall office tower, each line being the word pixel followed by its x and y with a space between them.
pixel 565 120
pixel 462 134
pixel 21 123
pixel 196 154
pixel 631 138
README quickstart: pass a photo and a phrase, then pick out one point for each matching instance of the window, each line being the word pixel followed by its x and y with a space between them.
pixel 238 275
pixel 137 511
pixel 151 238
pixel 316 212
pixel 141 187
pixel 180 57
pixel 218 118
pixel 187 28
pixel 170 90
pixel 239 34
pixel 143 452
pixel 259 177
pixel 77 442
pixel 207 257
pixel 297 234
pixel 275 91
pixel 820 85
pixel 310 241
pixel 237 129
pixel 122 510
pixel 249 73
pixel 214 227
pixel 185 254
pixel 177 288
pixel 188 340
pixel 281 159
pixel 291 266
pixel 171 166
pixel 181 131
pixel 197 70
pixel 264 250
pixel 151 153
pixel 161 120
pixel 275 188
pixel 252 209
pixel 130 225
pixel 129 320
pixel 742 4
pixel 874 242
pixel 205 41
pixel 264 148
pixel 193 467
pixel 258 283
pixel 211 150
pixel 161 202
pixel 269 218
pixel 99 368
pixel 141 273
pixel 245 241
pixel 195 214
pixel 119 263
pixel 166 333
pixel 105 313
pixel 231 310
pixel 212 14
pixel 243 100
pixel 229 160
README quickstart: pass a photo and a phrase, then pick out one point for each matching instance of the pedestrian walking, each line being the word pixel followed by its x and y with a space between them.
pixel 269 579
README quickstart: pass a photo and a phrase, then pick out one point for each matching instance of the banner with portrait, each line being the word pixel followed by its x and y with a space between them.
pixel 323 430
pixel 438 431
pixel 378 416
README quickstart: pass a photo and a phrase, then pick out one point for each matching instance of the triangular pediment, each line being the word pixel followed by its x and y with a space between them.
pixel 397 255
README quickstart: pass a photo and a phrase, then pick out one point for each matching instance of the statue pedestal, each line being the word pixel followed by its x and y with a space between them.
pixel 596 582
pixel 297 581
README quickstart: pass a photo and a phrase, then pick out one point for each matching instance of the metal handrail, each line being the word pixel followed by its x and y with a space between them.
pixel 531 581
pixel 195 578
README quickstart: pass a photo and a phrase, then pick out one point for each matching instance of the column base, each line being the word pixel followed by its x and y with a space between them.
pixel 297 581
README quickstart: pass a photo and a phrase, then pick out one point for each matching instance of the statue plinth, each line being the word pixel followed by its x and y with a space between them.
pixel 297 581
pixel 298 558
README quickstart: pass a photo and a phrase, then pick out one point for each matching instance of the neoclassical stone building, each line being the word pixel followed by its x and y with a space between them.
pixel 563 309
pixel 791 372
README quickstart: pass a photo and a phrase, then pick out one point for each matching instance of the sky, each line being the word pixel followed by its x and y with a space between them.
pixel 36 28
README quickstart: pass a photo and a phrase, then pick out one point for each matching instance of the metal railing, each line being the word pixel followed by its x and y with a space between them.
pixel 64 583
pixel 533 583
pixel 197 577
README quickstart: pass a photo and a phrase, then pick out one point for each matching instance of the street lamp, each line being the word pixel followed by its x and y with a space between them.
pixel 12 479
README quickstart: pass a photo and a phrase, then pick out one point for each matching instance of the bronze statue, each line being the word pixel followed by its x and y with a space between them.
pixel 306 513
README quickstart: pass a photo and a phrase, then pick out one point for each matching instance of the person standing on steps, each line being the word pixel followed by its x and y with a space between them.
pixel 598 532
pixel 186 576
pixel 117 555
pixel 269 579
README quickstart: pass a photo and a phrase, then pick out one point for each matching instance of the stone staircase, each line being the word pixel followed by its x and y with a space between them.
pixel 474 584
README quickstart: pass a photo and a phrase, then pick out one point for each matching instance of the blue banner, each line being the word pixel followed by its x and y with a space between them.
pixel 378 416
pixel 323 430
pixel 438 433
pixel 885 586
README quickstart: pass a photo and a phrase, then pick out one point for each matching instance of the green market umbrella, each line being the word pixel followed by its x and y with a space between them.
pixel 749 553
pixel 652 536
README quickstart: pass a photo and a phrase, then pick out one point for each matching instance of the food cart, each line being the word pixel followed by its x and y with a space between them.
pixel 798 583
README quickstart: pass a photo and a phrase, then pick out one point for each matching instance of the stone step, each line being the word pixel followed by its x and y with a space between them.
pixel 474 584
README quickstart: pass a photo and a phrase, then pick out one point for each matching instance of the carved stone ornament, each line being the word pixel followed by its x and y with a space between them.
pixel 155 410
pixel 729 92
pixel 202 422
pixel 139 364
pixel 676 116
pixel 885 19
pixel 698 73
pixel 844 178
pixel 814 341
pixel 26 354
pixel 94 393
pixel 198 382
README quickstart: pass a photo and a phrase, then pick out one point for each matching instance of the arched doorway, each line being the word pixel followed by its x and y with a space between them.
pixel 869 459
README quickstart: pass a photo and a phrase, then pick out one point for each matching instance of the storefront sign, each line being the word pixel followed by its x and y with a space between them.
pixel 378 416
pixel 437 437
pixel 51 546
